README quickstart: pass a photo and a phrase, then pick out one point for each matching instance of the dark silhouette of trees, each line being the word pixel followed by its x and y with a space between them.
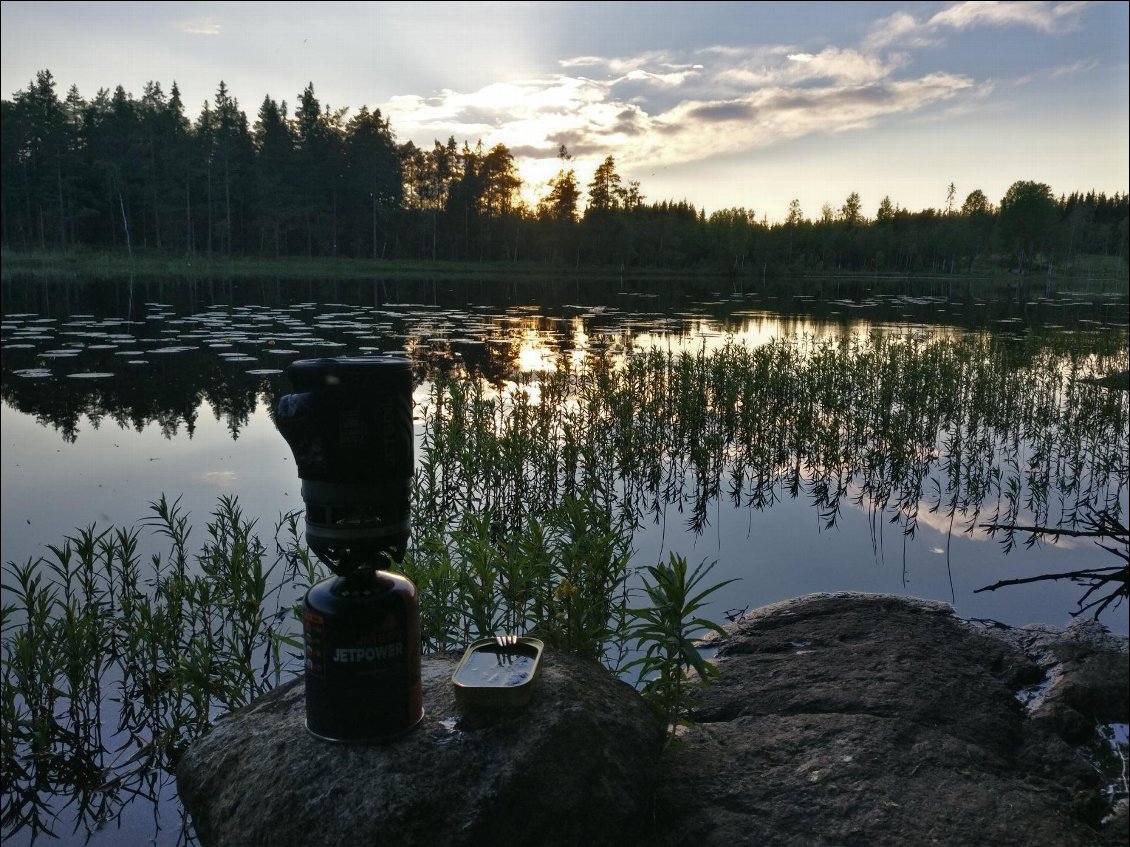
pixel 606 193
pixel 374 181
pixel 1027 219
pixel 976 204
pixel 560 204
pixel 851 213
pixel 39 167
pixel 228 152
pixel 606 228
pixel 319 177
pixel 273 178
pixel 134 174
pixel 557 211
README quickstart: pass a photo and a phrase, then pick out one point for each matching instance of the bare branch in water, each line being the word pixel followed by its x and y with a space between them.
pixel 1121 532
pixel 1107 586
pixel 1117 577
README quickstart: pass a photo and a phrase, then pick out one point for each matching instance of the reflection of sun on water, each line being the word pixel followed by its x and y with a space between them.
pixel 533 353
pixel 756 329
pixel 580 343
pixel 752 330
pixel 532 390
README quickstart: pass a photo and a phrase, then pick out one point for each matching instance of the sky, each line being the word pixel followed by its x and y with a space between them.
pixel 722 105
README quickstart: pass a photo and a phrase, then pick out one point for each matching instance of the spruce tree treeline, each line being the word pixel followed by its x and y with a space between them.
pixel 135 174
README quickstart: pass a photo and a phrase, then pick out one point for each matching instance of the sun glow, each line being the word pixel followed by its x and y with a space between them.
pixel 534 355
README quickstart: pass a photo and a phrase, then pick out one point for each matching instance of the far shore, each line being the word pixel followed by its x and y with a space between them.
pixel 1099 276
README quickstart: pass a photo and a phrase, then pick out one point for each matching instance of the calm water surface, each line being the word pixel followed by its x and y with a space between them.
pixel 103 414
pixel 112 400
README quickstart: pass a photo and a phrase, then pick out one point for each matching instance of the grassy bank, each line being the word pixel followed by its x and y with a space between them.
pixel 1089 273
pixel 80 263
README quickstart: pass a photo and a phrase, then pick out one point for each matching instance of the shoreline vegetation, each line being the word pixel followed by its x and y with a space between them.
pixel 1097 274
pixel 119 173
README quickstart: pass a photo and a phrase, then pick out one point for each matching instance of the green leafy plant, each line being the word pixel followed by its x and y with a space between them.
pixel 112 666
pixel 561 576
pixel 671 668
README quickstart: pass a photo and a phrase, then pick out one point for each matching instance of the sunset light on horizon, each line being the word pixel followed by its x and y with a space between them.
pixel 719 104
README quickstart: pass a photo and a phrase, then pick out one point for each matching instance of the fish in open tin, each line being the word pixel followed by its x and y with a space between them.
pixel 493 674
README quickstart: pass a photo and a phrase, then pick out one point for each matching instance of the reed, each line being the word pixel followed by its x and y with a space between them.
pixel 112 665
pixel 965 427
pixel 667 630
pixel 526 500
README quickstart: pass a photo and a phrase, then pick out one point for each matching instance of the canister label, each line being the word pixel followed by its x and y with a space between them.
pixel 314 636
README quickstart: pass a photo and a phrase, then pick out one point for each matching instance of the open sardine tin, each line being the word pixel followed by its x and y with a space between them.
pixel 493 676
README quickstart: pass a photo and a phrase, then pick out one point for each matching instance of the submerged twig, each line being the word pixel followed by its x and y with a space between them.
pixel 1121 532
pixel 1097 578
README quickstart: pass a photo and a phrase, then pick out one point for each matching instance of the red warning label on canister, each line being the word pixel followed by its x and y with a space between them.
pixel 314 634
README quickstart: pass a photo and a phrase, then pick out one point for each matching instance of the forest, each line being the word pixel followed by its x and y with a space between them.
pixel 125 174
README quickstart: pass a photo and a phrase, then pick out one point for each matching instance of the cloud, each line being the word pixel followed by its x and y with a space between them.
pixel 532 152
pixel 1058 72
pixel 900 28
pixel 200 26
pixel 583 62
pixel 722 112
pixel 631 121
pixel 1082 66
pixel 904 29
pixel 1047 17
pixel 655 63
pixel 529 114
pixel 831 65
pixel 693 130
pixel 673 107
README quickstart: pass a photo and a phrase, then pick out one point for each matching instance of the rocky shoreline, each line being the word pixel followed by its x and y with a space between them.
pixel 857 719
pixel 839 719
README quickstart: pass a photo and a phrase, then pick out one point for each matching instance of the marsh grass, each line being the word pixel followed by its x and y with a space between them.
pixel 112 665
pixel 528 495
pixel 561 577
pixel 526 501
pixel 977 429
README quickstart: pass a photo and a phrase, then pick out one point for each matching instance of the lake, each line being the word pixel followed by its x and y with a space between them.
pixel 118 392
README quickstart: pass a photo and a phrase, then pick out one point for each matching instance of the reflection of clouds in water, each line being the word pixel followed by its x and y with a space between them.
pixel 940 523
pixel 219 478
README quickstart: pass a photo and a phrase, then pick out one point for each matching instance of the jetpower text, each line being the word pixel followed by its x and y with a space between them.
pixel 346 655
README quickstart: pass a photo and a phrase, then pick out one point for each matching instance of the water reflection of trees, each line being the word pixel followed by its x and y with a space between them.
pixel 167 392
pixel 975 430
pixel 443 336
pixel 970 428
